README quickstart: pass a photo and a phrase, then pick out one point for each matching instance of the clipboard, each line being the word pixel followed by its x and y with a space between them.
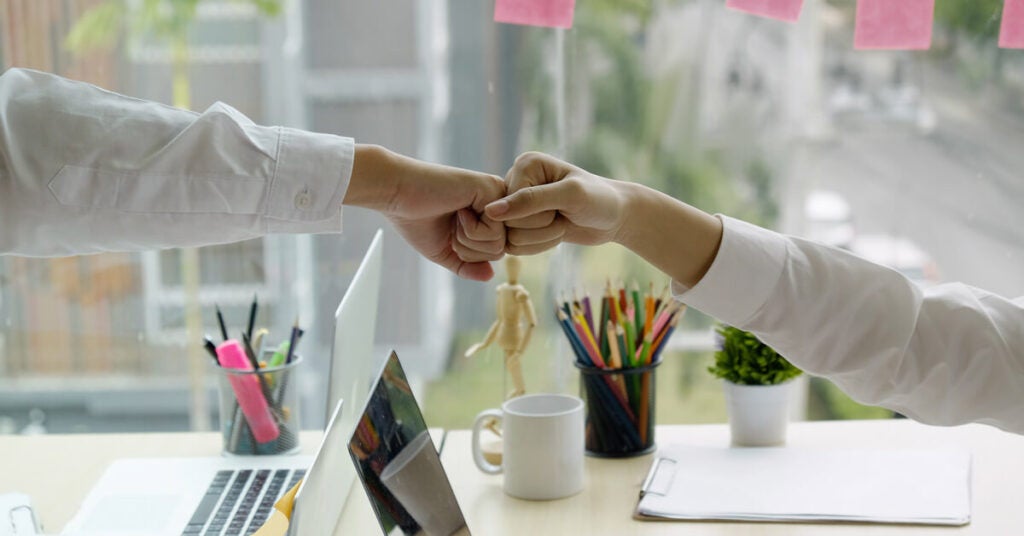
pixel 18 516
pixel 930 487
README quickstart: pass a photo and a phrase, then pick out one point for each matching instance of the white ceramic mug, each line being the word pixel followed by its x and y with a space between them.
pixel 542 444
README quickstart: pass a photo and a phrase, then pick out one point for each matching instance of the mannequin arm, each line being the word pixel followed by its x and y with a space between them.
pixel 493 332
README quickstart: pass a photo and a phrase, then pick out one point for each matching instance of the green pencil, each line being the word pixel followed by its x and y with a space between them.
pixel 637 314
pixel 280 355
pixel 630 344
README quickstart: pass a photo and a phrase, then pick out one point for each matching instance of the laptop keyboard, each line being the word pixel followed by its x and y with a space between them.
pixel 239 502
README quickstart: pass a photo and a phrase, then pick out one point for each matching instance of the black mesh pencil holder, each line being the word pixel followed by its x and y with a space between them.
pixel 620 410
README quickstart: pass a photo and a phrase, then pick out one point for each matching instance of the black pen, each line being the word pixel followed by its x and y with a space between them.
pixel 247 345
pixel 220 320
pixel 293 341
pixel 252 316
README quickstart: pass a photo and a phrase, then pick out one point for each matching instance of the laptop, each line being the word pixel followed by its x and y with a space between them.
pixel 320 501
pixel 229 496
pixel 199 496
pixel 355 322
pixel 398 464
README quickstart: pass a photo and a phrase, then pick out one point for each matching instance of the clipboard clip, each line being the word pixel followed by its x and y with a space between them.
pixel 659 481
pixel 13 520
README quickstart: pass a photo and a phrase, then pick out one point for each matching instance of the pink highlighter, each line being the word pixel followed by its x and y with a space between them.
pixel 248 392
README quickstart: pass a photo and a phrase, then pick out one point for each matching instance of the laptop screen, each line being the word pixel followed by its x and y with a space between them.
pixel 352 363
pixel 398 464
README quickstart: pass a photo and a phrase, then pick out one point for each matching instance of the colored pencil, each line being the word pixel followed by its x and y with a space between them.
pixel 629 332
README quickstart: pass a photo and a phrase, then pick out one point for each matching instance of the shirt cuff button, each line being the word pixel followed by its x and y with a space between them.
pixel 303 200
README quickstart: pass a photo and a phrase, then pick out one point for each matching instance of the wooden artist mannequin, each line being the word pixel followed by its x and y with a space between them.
pixel 514 309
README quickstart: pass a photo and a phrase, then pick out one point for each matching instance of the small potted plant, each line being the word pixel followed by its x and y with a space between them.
pixel 757 387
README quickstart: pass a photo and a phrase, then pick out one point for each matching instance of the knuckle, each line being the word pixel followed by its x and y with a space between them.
pixel 497 186
pixel 528 196
pixel 517 237
pixel 528 159
pixel 472 233
pixel 494 247
pixel 513 249
pixel 574 187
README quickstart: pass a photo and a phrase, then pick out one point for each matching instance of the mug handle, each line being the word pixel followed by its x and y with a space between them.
pixel 478 455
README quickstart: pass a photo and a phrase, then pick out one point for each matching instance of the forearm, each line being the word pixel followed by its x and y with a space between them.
pixel 375 173
pixel 676 238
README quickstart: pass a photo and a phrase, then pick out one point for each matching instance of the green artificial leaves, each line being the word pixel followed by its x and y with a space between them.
pixel 743 359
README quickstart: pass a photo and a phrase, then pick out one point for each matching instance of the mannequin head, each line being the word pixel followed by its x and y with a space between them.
pixel 512 266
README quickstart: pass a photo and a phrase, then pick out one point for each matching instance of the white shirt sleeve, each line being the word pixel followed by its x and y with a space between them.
pixel 84 170
pixel 947 355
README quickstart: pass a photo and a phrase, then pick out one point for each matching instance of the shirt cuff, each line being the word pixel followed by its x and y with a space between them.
pixel 743 275
pixel 309 184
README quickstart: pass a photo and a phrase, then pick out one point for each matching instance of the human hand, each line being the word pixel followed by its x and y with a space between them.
pixel 551 201
pixel 434 207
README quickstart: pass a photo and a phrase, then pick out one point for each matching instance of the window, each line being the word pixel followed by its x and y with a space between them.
pixel 907 158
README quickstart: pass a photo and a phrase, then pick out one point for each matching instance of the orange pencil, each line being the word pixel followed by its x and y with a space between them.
pixel 676 316
pixel 663 319
pixel 614 305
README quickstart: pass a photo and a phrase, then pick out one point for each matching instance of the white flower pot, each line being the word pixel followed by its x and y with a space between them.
pixel 758 414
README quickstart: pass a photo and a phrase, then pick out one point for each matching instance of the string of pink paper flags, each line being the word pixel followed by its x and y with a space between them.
pixel 881 24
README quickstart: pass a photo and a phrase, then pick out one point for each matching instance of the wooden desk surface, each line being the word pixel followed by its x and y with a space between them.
pixel 606 504
pixel 57 471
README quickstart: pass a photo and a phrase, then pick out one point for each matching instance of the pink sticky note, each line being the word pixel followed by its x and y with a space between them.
pixel 550 13
pixel 1011 34
pixel 894 24
pixel 787 10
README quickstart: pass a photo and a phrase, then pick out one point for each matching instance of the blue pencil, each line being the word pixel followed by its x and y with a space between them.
pixel 574 340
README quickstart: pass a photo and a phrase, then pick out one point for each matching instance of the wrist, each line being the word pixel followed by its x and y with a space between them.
pixel 635 204
pixel 678 239
pixel 375 176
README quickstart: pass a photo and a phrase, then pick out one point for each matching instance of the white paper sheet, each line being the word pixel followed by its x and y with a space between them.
pixel 798 484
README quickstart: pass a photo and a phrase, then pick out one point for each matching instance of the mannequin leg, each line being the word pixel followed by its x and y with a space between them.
pixel 515 370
